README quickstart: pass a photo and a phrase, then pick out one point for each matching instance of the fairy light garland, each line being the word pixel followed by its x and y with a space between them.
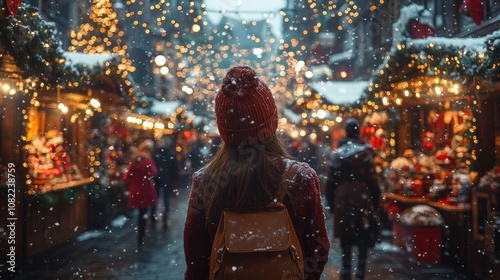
pixel 447 72
pixel 102 34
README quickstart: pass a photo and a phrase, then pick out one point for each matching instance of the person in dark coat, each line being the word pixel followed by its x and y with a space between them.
pixel 353 194
pixel 140 178
pixel 165 158
pixel 197 153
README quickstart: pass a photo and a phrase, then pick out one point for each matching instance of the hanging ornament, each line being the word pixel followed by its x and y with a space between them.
pixel 13 6
pixel 475 9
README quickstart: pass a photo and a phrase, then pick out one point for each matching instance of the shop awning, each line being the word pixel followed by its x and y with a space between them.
pixel 340 93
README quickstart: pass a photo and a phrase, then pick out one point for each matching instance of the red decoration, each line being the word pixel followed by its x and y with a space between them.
pixel 475 9
pixel 319 54
pixel 13 6
pixel 421 31
pixel 427 145
pixel 120 130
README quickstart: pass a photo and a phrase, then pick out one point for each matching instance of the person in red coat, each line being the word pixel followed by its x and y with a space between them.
pixel 140 178
pixel 246 172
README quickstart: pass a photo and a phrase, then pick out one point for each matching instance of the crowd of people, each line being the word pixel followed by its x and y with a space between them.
pixel 243 169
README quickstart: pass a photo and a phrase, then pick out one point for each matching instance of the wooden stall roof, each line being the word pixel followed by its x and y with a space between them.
pixel 468 61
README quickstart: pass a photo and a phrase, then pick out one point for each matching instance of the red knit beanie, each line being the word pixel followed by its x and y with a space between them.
pixel 245 108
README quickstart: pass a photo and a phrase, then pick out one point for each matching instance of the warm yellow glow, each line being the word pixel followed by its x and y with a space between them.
pixel 62 108
pixel 159 125
pixel 95 103
pixel 196 28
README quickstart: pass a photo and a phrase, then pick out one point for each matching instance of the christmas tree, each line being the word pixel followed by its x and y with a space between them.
pixel 100 33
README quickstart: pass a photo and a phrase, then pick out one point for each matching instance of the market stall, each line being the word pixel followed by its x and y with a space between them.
pixel 443 91
pixel 64 183
pixel 48 102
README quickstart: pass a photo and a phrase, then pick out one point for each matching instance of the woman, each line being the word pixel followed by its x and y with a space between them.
pixel 140 178
pixel 245 174
pixel 353 193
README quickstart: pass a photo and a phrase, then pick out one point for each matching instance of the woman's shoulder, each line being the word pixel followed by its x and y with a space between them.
pixel 198 175
pixel 304 172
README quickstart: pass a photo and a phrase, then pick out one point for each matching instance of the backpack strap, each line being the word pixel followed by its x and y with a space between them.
pixel 280 195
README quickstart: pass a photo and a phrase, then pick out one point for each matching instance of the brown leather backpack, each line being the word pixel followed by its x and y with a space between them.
pixel 258 245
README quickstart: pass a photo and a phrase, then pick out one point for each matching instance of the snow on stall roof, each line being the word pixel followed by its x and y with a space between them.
pixel 164 107
pixel 416 11
pixel 341 56
pixel 340 93
pixel 470 44
pixel 85 58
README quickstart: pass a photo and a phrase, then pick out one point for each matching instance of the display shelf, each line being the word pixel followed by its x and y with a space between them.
pixel 450 208
pixel 62 186
pixel 404 198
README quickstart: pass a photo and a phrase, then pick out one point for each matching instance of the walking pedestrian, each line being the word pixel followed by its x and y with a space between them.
pixel 353 193
pixel 197 151
pixel 140 178
pixel 246 172
pixel 165 159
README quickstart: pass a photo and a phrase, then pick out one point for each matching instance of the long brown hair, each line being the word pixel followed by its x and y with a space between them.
pixel 244 177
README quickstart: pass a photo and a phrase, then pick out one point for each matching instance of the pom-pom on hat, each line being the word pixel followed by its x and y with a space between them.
pixel 245 108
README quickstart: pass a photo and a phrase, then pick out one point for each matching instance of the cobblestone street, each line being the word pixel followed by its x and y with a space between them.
pixel 113 254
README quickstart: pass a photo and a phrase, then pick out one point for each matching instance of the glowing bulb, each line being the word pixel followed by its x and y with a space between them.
pixel 95 103
pixel 299 65
pixel 159 125
pixel 164 70
pixel 160 60
pixel 321 114
pixel 62 108
pixel 385 101
pixel 196 28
